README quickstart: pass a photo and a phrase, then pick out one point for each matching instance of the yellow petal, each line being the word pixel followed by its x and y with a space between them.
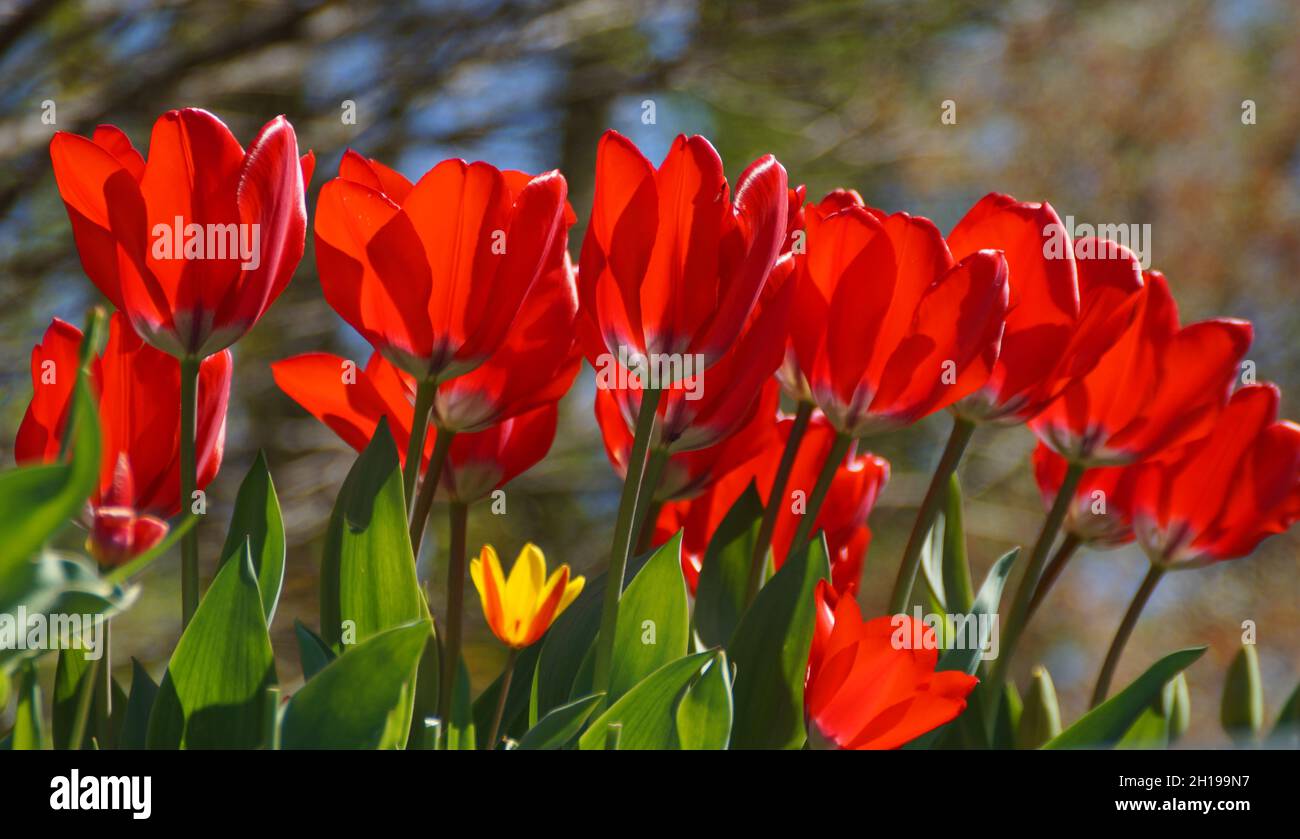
pixel 490 582
pixel 527 578
pixel 571 592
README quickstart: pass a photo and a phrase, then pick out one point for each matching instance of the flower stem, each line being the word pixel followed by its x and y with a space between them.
pixel 189 483
pixel 459 517
pixel 833 460
pixel 1053 572
pixel 1018 616
pixel 962 429
pixel 424 394
pixel 642 524
pixel 506 676
pixel 103 707
pixel 623 525
pixel 428 487
pixel 1125 630
pixel 776 500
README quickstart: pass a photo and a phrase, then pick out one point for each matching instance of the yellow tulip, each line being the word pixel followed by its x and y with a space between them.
pixel 519 609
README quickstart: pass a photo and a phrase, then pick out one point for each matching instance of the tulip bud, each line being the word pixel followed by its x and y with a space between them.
pixel 1176 707
pixel 1242 710
pixel 1040 719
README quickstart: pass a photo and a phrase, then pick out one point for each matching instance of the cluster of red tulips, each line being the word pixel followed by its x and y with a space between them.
pixel 703 310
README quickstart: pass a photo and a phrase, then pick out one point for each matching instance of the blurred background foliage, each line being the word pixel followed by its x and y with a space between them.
pixel 1115 112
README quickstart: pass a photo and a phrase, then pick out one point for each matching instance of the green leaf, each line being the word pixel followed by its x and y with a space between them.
pixel 976 626
pixel 427 676
pixel 1108 722
pixel 362 699
pixel 932 565
pixel 770 652
pixel 1287 729
pixel 368 574
pixel 134 566
pixel 257 520
pixel 653 620
pixel 645 715
pixel 959 596
pixel 567 643
pixel 461 734
pixel 213 693
pixel 724 575
pixel 135 728
pixel 313 652
pixel 37 501
pixel 71 677
pixel 1242 708
pixel 29 728
pixel 1150 731
pixel 560 725
pixel 705 712
pixel 1176 706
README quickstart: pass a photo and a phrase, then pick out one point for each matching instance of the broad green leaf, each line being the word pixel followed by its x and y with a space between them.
pixel 461 735
pixel 1242 708
pixel 29 728
pixel 135 727
pixel 368 578
pixel 37 501
pixel 560 725
pixel 1150 731
pixel 653 620
pixel 975 628
pixel 705 711
pixel 724 575
pixel 257 520
pixel 645 715
pixel 770 652
pixel 362 699
pixel 72 675
pixel 567 643
pixel 959 595
pixel 313 652
pixel 212 695
pixel 427 676
pixel 1104 725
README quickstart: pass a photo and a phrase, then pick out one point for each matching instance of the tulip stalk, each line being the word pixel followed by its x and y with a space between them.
pixel 1019 614
pixel 1125 629
pixel 623 535
pixel 839 449
pixel 424 394
pixel 459 517
pixel 428 487
pixel 958 439
pixel 189 482
pixel 775 499
pixel 506 675
pixel 1052 573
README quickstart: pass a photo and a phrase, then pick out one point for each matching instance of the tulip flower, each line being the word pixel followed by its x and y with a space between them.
pixel 194 244
pixel 520 608
pixel 351 403
pixel 670 275
pixel 869 685
pixel 1213 500
pixel 433 274
pixel 136 388
pixel 843 517
pixel 1100 511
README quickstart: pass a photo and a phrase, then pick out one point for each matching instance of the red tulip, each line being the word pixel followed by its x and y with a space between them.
pixel 870 686
pixel 1101 512
pixel 194 245
pixel 843 515
pixel 352 402
pixel 671 264
pixel 432 274
pixel 1223 494
pixel 1158 386
pixel 137 389
pixel 887 329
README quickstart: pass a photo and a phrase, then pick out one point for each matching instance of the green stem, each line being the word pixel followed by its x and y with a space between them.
pixel 1125 630
pixel 627 504
pixel 646 540
pixel 189 483
pixel 1053 572
pixel 424 394
pixel 776 501
pixel 85 700
pixel 428 487
pixel 103 707
pixel 833 460
pixel 962 429
pixel 459 515
pixel 1018 616
pixel 506 676
pixel 642 524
